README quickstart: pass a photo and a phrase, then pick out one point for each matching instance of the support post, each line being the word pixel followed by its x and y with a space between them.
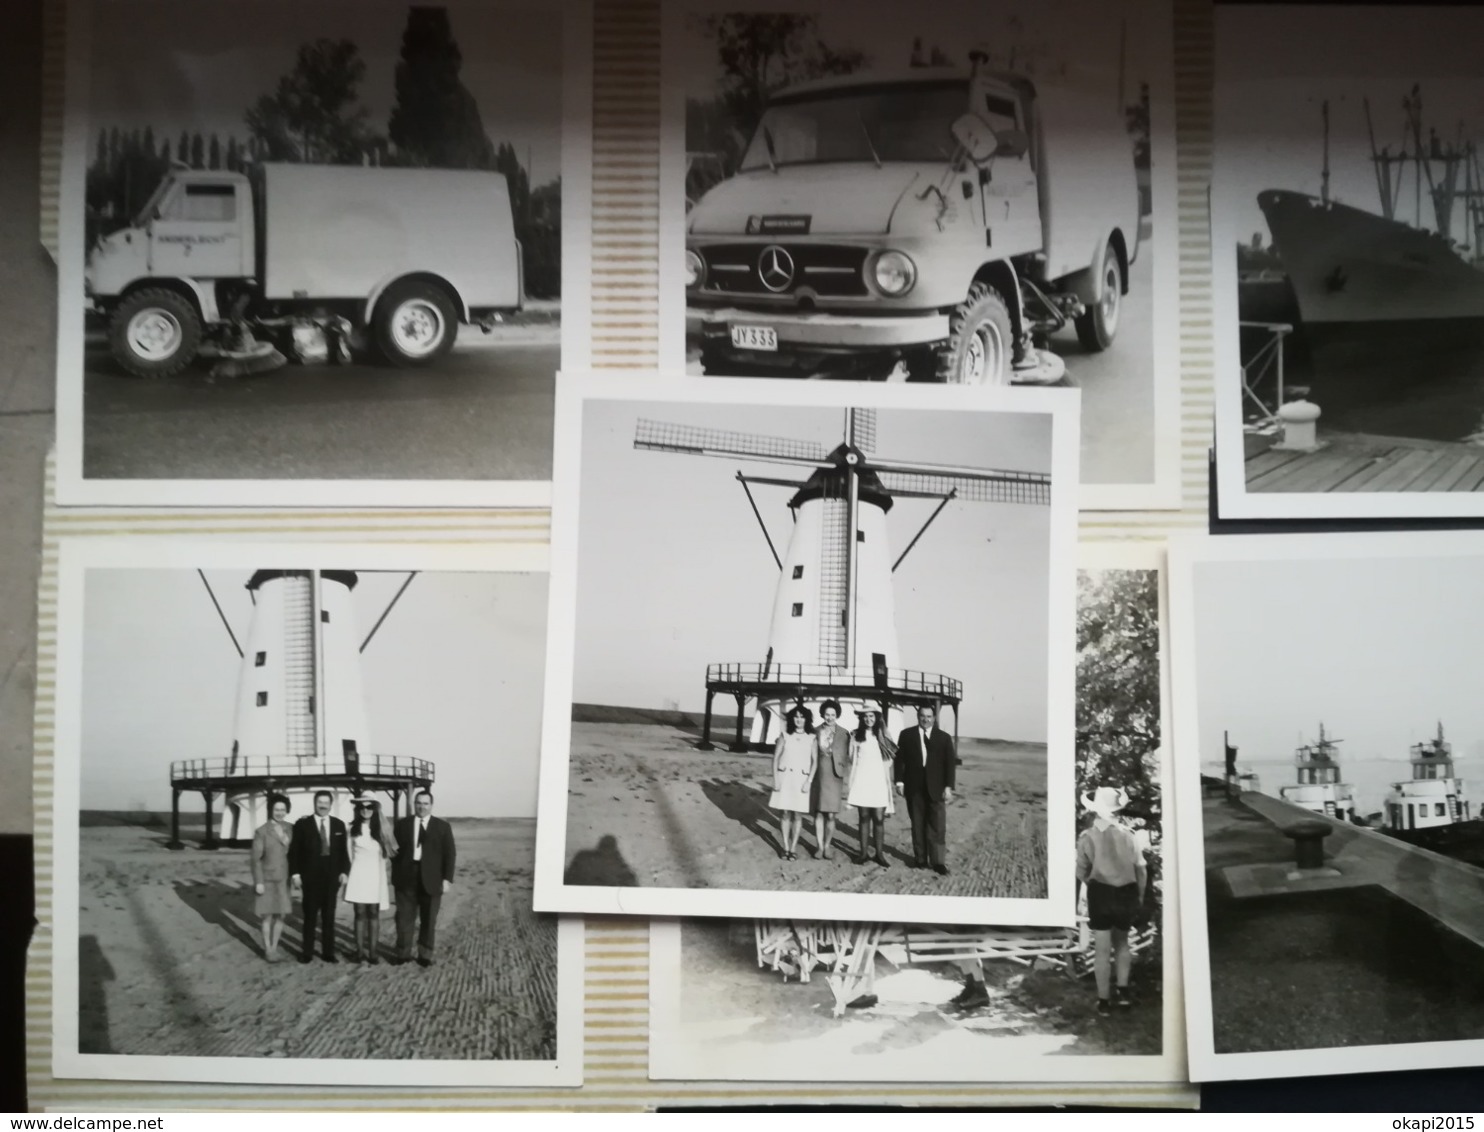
pixel 705 744
pixel 175 841
pixel 737 743
pixel 210 842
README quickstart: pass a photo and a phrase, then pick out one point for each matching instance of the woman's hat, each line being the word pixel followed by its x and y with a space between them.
pixel 365 800
pixel 1105 801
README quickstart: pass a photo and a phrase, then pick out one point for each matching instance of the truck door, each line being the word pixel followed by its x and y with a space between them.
pixel 197 232
pixel 1012 209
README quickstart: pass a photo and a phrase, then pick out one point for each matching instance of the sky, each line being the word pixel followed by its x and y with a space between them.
pixel 219 57
pixel 1379 650
pixel 453 675
pixel 971 598
pixel 1275 67
pixel 1078 39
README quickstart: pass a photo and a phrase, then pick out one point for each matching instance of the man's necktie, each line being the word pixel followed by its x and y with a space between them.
pixel 419 835
pixel 324 838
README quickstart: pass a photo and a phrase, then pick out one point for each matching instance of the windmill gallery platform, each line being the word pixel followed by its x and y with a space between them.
pixel 1448 892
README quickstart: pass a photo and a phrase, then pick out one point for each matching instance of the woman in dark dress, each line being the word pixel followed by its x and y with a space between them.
pixel 270 874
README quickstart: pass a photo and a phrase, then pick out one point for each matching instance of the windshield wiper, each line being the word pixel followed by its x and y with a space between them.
pixel 768 143
pixel 876 157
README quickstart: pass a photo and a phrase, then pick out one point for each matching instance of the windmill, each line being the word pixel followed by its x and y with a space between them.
pixel 300 723
pixel 833 628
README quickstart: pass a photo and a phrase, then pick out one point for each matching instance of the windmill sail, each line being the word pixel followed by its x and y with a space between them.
pixel 663 436
pixel 982 487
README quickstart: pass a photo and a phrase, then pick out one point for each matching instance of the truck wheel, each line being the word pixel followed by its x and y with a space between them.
pixel 1097 325
pixel 980 341
pixel 415 324
pixel 154 333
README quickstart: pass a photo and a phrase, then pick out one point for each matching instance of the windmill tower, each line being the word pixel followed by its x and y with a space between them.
pixel 833 628
pixel 300 723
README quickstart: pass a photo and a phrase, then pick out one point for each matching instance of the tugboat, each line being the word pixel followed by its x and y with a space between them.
pixel 1319 788
pixel 1433 809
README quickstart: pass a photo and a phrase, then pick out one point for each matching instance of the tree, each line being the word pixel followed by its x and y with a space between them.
pixel 1136 116
pixel 214 152
pixel 435 120
pixel 198 151
pixel 313 115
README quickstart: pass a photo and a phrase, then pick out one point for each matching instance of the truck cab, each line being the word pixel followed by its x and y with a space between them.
pixel 905 217
pixel 197 224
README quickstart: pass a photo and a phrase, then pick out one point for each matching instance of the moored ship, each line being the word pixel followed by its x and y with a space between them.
pixel 1432 809
pixel 1319 788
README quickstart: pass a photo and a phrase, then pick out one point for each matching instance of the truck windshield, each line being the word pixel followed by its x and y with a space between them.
pixel 147 213
pixel 907 122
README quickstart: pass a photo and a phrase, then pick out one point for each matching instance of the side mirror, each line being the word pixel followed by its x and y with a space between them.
pixel 1012 143
pixel 973 133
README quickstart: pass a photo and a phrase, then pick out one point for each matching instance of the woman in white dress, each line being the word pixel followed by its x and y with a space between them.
pixel 793 771
pixel 871 755
pixel 372 846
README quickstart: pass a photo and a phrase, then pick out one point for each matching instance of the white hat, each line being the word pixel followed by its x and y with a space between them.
pixel 1105 801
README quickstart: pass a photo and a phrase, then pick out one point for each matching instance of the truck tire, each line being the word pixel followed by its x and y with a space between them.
pixel 415 324
pixel 154 333
pixel 981 341
pixel 1097 325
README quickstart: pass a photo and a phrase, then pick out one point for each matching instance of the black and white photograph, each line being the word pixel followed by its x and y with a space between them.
pixel 314 254
pixel 777 1000
pixel 1331 843
pixel 1348 248
pixel 295 814
pixel 810 658
pixel 994 205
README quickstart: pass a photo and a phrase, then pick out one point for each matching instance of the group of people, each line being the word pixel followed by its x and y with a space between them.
pixel 322 860
pixel 821 770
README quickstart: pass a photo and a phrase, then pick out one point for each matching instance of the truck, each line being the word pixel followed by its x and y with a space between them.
pixel 943 219
pixel 401 256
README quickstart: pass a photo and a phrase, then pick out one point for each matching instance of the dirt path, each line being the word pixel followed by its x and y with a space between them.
pixel 170 962
pixel 645 808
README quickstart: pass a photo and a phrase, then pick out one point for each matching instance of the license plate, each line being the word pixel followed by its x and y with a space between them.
pixel 754 338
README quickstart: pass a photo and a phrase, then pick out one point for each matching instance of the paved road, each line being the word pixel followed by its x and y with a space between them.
pixel 484 412
pixel 1117 387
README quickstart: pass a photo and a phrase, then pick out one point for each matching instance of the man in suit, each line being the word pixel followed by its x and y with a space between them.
pixel 319 862
pixel 923 772
pixel 421 873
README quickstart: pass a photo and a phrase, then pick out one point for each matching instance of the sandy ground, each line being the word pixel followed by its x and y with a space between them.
pixel 741 1014
pixel 645 808
pixel 170 961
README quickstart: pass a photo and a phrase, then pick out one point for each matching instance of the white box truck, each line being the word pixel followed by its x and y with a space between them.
pixel 943 219
pixel 404 254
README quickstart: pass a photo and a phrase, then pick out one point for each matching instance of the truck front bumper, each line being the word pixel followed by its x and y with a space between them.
pixel 817 330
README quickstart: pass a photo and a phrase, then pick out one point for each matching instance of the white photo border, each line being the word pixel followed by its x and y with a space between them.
pixel 671 1057
pixel 1163 493
pixel 553 894
pixel 1185 555
pixel 74 488
pixel 78 555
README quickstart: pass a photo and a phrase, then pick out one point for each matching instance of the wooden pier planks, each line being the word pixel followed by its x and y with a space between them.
pixel 1368 464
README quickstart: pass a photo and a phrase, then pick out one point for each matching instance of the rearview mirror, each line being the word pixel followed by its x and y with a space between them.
pixel 976 137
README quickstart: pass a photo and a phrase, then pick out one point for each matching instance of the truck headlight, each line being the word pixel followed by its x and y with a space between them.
pixel 695 268
pixel 894 273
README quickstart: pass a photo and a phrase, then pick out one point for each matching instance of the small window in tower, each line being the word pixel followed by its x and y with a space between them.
pixel 860 536
pixel 798 571
pixel 259 660
pixel 798 610
pixel 324 615
pixel 1438 810
pixel 262 699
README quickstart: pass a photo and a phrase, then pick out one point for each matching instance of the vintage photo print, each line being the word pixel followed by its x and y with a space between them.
pixel 295 818
pixel 320 254
pixel 772 620
pixel 1348 253
pixel 950 193
pixel 1331 844
pixel 771 1000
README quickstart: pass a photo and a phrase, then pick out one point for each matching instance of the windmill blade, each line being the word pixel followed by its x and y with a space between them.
pixel 860 429
pixel 663 436
pixel 987 486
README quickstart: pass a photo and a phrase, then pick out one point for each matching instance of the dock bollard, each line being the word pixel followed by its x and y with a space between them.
pixel 1308 840
pixel 1300 426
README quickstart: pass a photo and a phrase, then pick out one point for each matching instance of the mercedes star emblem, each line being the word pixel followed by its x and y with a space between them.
pixel 775 267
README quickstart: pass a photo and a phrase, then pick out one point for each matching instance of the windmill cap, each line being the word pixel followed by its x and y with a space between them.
pixel 346 578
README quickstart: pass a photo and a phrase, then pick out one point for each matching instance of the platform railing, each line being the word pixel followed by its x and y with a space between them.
pixel 897 679
pixel 286 767
pixel 1266 363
